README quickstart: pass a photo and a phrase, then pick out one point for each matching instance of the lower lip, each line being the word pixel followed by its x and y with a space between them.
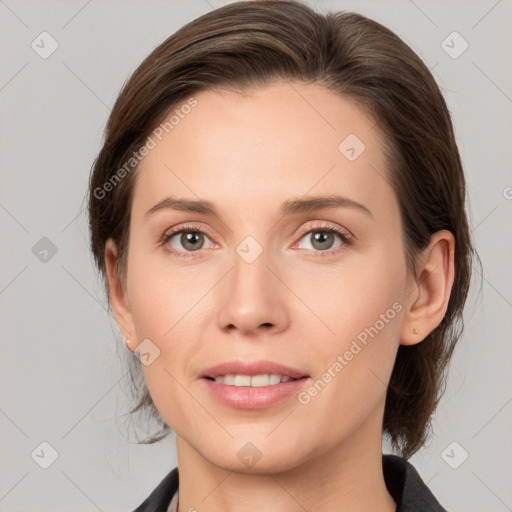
pixel 247 397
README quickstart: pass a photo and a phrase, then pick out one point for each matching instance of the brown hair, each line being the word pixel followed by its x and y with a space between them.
pixel 249 44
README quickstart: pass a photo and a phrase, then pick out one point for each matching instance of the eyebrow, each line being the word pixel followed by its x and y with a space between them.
pixel 288 207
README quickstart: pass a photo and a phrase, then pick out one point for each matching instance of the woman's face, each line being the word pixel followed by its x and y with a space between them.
pixel 264 279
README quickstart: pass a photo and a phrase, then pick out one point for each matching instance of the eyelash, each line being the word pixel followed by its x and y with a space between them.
pixel 345 237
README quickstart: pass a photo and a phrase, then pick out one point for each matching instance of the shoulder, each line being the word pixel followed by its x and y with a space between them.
pixel 406 486
pixel 160 497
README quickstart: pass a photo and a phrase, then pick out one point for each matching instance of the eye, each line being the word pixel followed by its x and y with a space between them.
pixel 186 239
pixel 323 238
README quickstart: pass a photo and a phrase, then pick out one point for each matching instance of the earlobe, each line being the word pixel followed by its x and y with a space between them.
pixel 427 302
pixel 117 294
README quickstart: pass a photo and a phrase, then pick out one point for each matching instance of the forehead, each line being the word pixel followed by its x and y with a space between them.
pixel 254 150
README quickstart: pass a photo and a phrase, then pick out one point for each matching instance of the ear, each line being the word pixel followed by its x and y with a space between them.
pixel 118 296
pixel 427 300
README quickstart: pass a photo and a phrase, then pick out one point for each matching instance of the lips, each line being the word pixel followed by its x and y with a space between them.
pixel 252 368
pixel 253 385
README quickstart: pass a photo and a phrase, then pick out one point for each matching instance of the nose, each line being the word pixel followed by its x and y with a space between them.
pixel 253 297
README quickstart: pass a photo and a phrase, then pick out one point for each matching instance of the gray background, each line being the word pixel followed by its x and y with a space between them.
pixel 62 378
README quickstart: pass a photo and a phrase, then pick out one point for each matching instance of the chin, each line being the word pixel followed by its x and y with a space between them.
pixel 255 457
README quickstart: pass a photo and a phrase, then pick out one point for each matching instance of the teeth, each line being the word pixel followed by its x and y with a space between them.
pixel 254 381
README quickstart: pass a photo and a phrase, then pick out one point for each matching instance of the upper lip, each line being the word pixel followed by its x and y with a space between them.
pixel 252 368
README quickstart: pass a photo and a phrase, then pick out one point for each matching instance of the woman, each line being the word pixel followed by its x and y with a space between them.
pixel 278 212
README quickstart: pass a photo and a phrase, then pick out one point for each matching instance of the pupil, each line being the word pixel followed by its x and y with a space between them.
pixel 320 236
pixel 191 238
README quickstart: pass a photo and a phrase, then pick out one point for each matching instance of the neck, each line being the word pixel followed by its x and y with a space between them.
pixel 348 477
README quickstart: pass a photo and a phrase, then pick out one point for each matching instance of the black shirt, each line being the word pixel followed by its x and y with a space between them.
pixel 402 480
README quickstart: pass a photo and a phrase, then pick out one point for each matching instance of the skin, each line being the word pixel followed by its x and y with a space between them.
pixel 248 154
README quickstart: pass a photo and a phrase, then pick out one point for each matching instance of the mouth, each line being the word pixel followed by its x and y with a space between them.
pixel 254 381
pixel 252 373
pixel 254 388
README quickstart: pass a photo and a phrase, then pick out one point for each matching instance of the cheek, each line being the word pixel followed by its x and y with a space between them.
pixel 340 300
pixel 161 314
pixel 161 295
pixel 165 303
pixel 357 319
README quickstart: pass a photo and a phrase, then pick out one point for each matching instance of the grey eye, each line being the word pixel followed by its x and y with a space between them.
pixel 190 240
pixel 321 239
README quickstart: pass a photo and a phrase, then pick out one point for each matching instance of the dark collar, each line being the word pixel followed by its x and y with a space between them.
pixel 406 486
pixel 402 480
